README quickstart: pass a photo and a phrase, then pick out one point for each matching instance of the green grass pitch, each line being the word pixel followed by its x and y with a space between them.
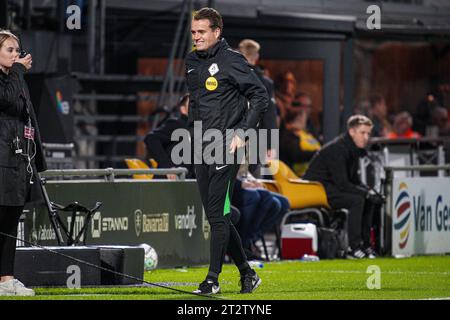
pixel 426 277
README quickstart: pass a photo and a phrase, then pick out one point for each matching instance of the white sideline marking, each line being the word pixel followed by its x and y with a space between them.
pixel 444 298
pixel 358 271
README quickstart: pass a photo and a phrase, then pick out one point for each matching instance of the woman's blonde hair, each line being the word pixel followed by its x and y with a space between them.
pixel 6 34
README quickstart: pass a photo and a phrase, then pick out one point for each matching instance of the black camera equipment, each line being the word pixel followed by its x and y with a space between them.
pixel 22 54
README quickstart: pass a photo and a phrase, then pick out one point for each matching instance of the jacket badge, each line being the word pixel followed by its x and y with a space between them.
pixel 213 69
pixel 211 84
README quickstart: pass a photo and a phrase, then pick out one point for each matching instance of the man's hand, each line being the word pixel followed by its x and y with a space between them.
pixel 26 61
pixel 237 142
pixel 251 184
pixel 172 176
pixel 375 197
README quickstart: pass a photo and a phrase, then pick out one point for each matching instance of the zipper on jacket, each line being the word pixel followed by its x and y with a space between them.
pixel 197 98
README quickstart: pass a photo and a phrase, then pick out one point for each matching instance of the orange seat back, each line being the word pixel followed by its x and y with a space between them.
pixel 138 164
pixel 300 193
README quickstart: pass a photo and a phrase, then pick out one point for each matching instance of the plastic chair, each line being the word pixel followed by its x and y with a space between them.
pixel 153 163
pixel 139 164
pixel 306 198
pixel 300 193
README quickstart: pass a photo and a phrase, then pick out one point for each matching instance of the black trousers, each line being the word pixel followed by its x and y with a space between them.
pixel 360 216
pixel 216 187
pixel 9 221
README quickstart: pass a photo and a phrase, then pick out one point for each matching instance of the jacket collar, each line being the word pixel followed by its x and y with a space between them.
pixel 348 141
pixel 211 52
pixel 3 78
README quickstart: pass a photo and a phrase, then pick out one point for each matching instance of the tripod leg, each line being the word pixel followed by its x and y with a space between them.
pixel 52 213
pixel 82 232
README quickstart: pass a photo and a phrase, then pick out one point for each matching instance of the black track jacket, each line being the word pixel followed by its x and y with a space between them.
pixel 336 167
pixel 225 92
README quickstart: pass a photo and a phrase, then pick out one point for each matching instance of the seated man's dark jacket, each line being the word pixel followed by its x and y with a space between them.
pixel 336 167
pixel 159 144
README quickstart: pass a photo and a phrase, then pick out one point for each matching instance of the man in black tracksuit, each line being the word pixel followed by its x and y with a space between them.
pixel 250 50
pixel 224 94
pixel 159 141
pixel 336 167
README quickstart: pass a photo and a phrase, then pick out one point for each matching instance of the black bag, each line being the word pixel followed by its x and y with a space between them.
pixel 328 243
pixel 333 239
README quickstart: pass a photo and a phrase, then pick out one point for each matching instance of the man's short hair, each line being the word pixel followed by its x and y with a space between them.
pixel 214 17
pixel 249 47
pixel 358 120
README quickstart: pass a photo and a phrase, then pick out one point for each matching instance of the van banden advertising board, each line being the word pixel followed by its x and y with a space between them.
pixel 420 216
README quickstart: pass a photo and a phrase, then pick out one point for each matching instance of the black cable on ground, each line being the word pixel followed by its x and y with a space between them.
pixel 109 270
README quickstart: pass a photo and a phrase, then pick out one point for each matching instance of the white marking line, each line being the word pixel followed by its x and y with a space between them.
pixel 359 271
pixel 444 298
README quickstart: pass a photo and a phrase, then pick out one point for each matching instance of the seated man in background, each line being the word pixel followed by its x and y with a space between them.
pixel 336 167
pixel 402 128
pixel 440 120
pixel 159 144
pixel 297 145
pixel 303 100
pixel 261 210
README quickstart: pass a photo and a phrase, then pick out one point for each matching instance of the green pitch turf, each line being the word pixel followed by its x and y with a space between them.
pixel 408 278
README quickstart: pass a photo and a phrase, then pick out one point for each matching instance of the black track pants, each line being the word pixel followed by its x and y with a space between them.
pixel 360 217
pixel 216 187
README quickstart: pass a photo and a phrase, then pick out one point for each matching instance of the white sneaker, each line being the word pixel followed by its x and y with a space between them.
pixel 14 287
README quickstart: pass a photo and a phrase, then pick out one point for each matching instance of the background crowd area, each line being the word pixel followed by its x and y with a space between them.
pixel 301 132
pixel 295 109
pixel 299 117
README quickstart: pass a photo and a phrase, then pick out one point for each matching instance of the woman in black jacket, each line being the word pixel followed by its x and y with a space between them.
pixel 20 156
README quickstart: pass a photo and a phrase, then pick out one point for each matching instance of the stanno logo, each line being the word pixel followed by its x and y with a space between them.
pixel 115 224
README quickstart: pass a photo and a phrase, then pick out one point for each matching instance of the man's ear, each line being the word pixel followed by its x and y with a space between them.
pixel 184 110
pixel 351 132
pixel 217 32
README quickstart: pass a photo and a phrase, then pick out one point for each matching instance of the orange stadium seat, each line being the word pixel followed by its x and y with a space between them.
pixel 300 193
pixel 139 164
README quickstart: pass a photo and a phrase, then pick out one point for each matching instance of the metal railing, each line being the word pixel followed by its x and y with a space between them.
pixel 110 173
